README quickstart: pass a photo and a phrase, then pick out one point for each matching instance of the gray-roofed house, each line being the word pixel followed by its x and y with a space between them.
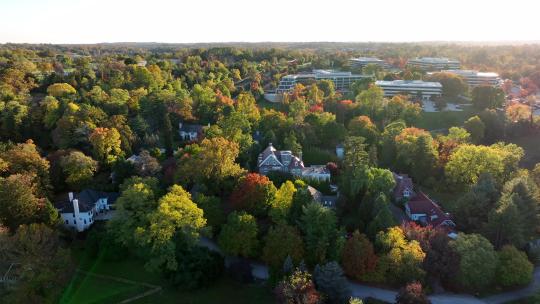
pixel 325 200
pixel 284 161
pixel 190 132
pixel 79 210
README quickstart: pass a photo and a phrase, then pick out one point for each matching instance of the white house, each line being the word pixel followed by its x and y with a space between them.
pixel 284 161
pixel 190 132
pixel 78 211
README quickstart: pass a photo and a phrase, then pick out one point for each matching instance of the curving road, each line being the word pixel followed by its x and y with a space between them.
pixel 260 271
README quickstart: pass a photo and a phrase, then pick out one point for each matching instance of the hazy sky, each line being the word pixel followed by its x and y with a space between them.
pixel 92 21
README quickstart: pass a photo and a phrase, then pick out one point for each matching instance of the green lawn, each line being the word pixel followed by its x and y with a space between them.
pixel 87 289
pixel 445 119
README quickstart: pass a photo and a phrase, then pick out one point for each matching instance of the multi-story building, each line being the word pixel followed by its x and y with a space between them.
pixel 423 89
pixel 78 211
pixel 434 64
pixel 361 62
pixel 285 161
pixel 475 78
pixel 342 80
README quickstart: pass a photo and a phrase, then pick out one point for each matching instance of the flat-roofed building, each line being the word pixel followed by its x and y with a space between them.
pixel 361 62
pixel 434 63
pixel 342 80
pixel 424 89
pixel 475 78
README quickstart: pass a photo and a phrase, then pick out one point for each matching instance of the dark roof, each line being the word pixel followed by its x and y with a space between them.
pixel 87 200
pixel 286 158
pixel 403 181
pixel 422 204
pixel 188 128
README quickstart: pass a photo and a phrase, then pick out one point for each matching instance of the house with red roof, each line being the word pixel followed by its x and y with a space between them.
pixel 422 209
pixel 404 188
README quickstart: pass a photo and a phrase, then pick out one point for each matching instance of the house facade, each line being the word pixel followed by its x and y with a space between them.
pixel 190 132
pixel 284 161
pixel 404 188
pixel 78 211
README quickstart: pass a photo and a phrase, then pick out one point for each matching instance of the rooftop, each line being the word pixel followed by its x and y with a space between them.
pixel 472 73
pixel 366 59
pixel 435 60
pixel 408 83
pixel 87 200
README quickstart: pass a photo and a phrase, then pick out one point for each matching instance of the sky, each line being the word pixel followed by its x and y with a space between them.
pixel 188 21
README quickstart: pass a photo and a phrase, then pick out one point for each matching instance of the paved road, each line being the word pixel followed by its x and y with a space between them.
pixel 260 271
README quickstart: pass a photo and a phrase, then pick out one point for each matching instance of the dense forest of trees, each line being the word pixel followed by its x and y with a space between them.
pixel 71 116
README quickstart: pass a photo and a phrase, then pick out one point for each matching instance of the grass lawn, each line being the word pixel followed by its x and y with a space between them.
pixel 223 291
pixel 89 289
pixel 99 291
pixel 531 145
pixel 445 119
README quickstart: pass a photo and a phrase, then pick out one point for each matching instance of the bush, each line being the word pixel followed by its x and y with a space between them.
pixel 412 294
pixel 514 268
pixel 197 267
pixel 315 156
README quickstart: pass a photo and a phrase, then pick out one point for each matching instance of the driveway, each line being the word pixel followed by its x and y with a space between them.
pixel 260 271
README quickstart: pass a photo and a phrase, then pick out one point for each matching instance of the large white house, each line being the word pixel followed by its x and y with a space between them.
pixel 475 78
pixel 342 80
pixel 284 161
pixel 424 89
pixel 79 211
pixel 434 63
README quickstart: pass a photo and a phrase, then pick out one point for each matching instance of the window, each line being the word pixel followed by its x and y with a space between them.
pixel 67 222
pixel 75 222
pixel 85 222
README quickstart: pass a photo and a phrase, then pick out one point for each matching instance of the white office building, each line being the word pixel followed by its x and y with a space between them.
pixel 434 63
pixel 361 62
pixel 475 78
pixel 425 89
pixel 342 80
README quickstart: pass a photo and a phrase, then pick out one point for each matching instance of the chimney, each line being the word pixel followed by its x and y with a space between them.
pixel 70 196
pixel 77 214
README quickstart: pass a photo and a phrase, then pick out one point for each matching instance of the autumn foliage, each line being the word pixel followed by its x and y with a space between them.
pixel 358 257
pixel 253 193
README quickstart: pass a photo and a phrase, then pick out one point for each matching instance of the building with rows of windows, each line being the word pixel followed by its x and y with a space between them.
pixel 423 89
pixel 361 62
pixel 475 78
pixel 342 80
pixel 434 63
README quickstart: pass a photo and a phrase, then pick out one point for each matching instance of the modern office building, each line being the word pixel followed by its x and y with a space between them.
pixel 425 89
pixel 434 64
pixel 475 78
pixel 342 80
pixel 361 62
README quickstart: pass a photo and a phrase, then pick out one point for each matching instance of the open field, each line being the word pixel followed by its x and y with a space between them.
pixel 90 289
pixel 445 119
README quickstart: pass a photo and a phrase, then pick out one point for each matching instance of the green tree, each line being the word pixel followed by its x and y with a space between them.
pixel 79 169
pixel 282 241
pixel 213 211
pixel 324 241
pixel 282 202
pixel 106 145
pixel 452 84
pixel 247 106
pixel 21 202
pixel 364 127
pixel 478 261
pixel 476 128
pixel 513 268
pixel 487 97
pixel 239 235
pixel 61 90
pixel 331 281
pixel 36 246
pixel 176 217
